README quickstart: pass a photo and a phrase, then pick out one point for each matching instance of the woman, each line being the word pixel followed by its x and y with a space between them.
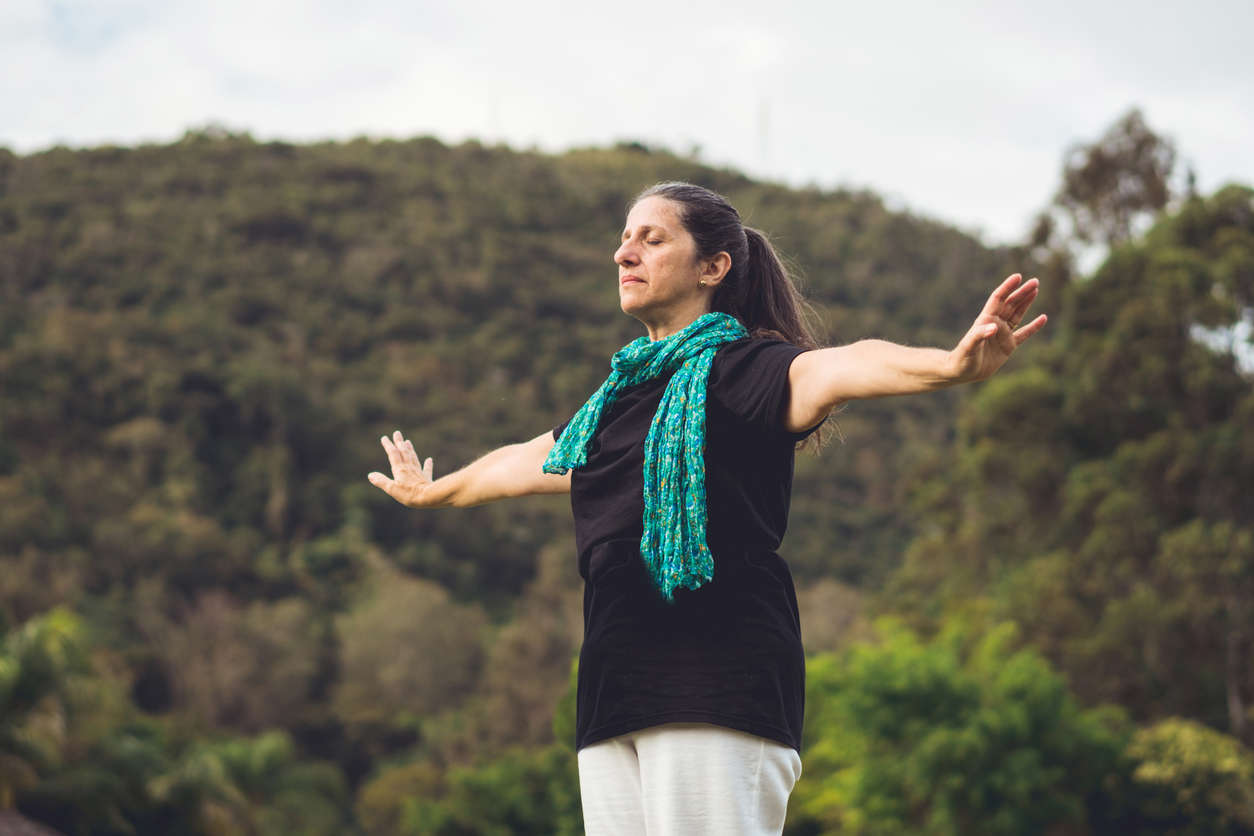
pixel 691 675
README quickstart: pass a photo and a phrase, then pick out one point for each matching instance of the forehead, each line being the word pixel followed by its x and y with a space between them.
pixel 655 211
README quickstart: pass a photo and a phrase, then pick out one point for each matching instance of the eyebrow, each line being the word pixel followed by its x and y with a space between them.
pixel 647 228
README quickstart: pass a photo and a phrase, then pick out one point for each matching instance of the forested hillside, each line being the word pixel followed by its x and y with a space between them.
pixel 1100 495
pixel 212 623
pixel 249 318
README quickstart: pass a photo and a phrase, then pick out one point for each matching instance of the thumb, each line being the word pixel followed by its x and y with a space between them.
pixel 382 482
pixel 975 335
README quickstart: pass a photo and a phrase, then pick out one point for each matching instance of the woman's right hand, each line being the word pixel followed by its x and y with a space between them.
pixel 411 479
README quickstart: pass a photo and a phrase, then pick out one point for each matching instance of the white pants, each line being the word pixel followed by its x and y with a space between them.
pixel 686 779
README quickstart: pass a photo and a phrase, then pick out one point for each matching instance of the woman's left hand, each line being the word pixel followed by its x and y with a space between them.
pixel 996 332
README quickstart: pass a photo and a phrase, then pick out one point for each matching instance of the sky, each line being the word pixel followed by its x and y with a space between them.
pixel 961 111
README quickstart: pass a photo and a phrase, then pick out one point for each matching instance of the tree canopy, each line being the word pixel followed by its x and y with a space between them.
pixel 210 622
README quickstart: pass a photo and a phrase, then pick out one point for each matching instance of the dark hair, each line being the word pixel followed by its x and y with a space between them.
pixel 757 290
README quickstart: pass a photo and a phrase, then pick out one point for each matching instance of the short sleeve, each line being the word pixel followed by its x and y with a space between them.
pixel 557 431
pixel 749 379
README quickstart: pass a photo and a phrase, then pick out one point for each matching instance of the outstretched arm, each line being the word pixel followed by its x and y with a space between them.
pixel 509 471
pixel 822 379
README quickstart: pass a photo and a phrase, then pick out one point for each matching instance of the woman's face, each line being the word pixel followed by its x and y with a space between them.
pixel 658 269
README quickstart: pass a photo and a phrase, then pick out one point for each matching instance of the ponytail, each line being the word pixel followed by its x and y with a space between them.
pixel 764 297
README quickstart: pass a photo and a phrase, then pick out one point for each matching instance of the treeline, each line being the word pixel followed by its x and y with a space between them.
pixel 212 623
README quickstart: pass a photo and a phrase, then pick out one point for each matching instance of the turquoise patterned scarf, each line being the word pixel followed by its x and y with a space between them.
pixel 673 545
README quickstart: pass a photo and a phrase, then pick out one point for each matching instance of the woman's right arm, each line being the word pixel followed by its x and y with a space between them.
pixel 509 471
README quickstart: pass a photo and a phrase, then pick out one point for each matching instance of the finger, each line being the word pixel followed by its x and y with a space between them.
pixel 1016 305
pixel 405 449
pixel 1027 290
pixel 428 469
pixel 1030 329
pixel 1021 300
pixel 383 483
pixel 997 300
pixel 394 455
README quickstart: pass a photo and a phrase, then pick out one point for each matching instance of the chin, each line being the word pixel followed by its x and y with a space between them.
pixel 631 311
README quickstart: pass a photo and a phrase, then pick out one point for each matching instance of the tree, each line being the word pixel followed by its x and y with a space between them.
pixel 522 791
pixel 964 734
pixel 394 670
pixel 1111 189
pixel 1191 780
pixel 1209 567
pixel 37 663
pixel 1097 495
pixel 1116 183
pixel 258 786
pixel 247 668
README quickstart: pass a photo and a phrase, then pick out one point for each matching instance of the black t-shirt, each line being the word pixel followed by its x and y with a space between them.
pixel 729 652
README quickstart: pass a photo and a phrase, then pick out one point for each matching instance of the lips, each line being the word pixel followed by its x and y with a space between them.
pixel 626 280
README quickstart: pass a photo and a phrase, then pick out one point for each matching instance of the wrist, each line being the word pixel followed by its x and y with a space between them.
pixel 933 368
pixel 444 492
pixel 949 370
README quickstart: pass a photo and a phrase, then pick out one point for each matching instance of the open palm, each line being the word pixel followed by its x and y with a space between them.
pixel 996 332
pixel 410 476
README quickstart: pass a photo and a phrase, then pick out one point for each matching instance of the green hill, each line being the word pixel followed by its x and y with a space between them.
pixel 222 329
pixel 200 346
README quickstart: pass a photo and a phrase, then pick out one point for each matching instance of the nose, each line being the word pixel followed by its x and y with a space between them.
pixel 625 255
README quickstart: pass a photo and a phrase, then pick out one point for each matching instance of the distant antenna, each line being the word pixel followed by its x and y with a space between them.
pixel 764 125
pixel 496 135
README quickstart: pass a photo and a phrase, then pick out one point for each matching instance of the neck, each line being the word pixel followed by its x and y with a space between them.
pixel 671 322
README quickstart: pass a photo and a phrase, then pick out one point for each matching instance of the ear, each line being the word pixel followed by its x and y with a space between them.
pixel 713 270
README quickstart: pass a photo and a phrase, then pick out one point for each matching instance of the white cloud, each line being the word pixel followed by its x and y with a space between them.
pixel 962 111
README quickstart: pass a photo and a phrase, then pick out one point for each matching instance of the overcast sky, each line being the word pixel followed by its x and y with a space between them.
pixel 959 110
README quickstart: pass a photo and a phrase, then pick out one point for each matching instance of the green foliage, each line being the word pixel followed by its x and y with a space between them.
pixel 1193 779
pixel 201 344
pixel 961 735
pixel 1122 178
pixel 1099 495
pixel 75 754
pixel 258 786
pixel 231 666
pixel 383 801
pixel 395 669
pixel 37 663
pixel 564 716
pixel 221 329
pixel 520 792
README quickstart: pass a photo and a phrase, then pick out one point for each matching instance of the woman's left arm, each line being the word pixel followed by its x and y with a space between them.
pixel 821 380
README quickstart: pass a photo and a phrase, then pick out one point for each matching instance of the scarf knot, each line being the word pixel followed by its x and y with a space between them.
pixel 673 545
